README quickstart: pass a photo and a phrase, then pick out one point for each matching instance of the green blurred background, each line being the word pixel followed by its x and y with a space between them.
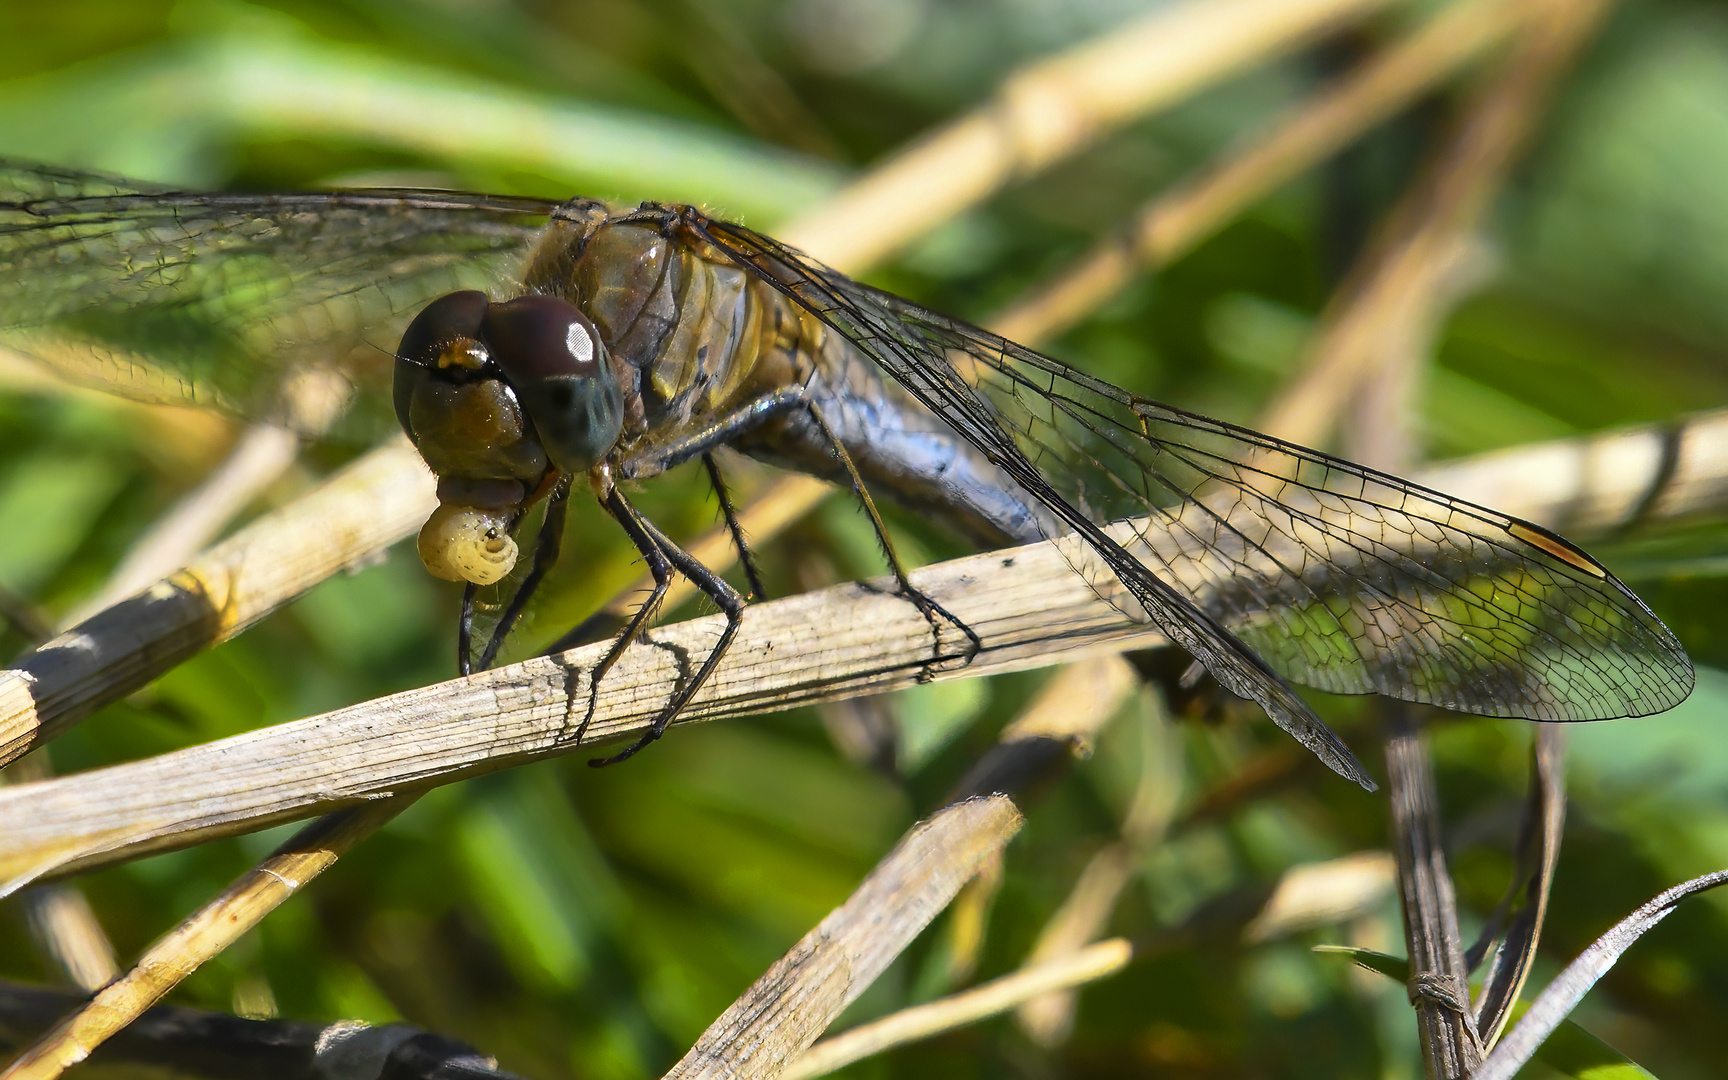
pixel 591 923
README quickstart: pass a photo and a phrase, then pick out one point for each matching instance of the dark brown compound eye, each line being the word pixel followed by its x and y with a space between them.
pixel 555 361
pixel 451 318
pixel 447 328
pixel 537 337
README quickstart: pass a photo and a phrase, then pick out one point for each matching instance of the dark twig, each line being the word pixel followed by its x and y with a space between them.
pixel 1451 1049
pixel 200 936
pixel 191 1042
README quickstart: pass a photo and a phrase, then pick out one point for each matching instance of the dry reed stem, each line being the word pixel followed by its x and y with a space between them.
pixel 506 716
pixel 1090 964
pixel 186 424
pixel 260 456
pixel 1393 288
pixel 1596 483
pixel 845 641
pixel 379 499
pixel 202 935
pixel 1177 221
pixel 1051 109
pixel 262 453
pixel 800 995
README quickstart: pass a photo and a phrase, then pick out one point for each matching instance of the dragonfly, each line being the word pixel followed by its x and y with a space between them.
pixel 538 343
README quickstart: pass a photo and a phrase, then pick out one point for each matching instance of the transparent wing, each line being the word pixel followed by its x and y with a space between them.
pixel 214 298
pixel 1264 559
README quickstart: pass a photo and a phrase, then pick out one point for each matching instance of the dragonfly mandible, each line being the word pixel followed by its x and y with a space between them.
pixel 567 340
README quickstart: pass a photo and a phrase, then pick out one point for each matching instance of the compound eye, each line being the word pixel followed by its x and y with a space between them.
pixel 452 321
pixel 539 337
pixel 556 363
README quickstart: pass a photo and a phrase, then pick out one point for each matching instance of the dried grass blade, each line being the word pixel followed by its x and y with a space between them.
pixel 1538 855
pixel 199 937
pixel 1052 108
pixel 1090 964
pixel 261 455
pixel 515 714
pixel 1600 483
pixel 1568 988
pixel 1177 221
pixel 1397 291
pixel 379 499
pixel 795 1000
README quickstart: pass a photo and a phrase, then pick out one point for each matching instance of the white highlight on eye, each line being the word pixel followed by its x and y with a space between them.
pixel 466 543
pixel 579 343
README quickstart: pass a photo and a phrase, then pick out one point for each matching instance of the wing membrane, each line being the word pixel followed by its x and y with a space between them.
pixel 214 298
pixel 1266 560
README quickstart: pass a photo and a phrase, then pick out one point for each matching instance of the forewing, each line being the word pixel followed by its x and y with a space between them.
pixel 1339 577
pixel 214 298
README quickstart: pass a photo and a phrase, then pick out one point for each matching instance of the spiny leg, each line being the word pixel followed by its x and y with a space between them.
pixel 757 592
pixel 927 607
pixel 465 631
pixel 658 565
pixel 728 600
pixel 694 444
pixel 546 548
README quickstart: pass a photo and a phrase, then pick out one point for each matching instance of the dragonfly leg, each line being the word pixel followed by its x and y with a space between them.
pixel 731 515
pixel 546 548
pixel 697 444
pixel 742 420
pixel 926 606
pixel 465 631
pixel 658 565
pixel 642 530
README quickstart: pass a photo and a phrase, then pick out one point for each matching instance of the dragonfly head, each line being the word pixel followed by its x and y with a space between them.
pixel 496 397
